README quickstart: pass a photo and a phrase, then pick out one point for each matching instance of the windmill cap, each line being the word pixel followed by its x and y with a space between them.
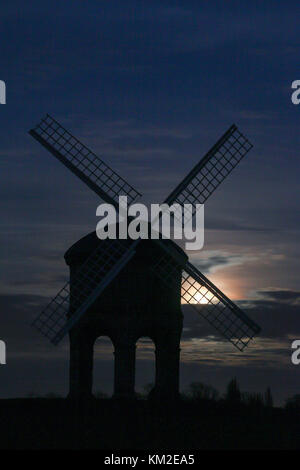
pixel 80 250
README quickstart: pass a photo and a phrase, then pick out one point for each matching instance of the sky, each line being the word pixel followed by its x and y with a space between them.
pixel 150 86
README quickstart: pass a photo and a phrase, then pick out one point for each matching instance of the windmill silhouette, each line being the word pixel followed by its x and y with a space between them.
pixel 126 289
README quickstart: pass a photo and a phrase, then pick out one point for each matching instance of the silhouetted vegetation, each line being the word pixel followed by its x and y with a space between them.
pixel 101 395
pixel 201 419
pixel 199 391
pixel 233 393
pixel 233 396
pixel 293 403
pixel 47 395
pixel 268 398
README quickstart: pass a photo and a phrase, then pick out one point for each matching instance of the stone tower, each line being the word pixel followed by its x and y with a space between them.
pixel 134 305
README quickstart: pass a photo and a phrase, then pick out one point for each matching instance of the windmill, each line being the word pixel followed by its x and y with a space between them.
pixel 101 272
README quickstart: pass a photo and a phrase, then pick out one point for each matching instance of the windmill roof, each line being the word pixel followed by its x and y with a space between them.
pixel 87 244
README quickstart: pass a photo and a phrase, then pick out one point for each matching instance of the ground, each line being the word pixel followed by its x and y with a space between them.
pixel 39 423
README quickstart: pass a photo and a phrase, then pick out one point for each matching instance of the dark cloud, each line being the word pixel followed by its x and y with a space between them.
pixel 285 296
pixel 277 321
pixel 213 262
pixel 216 261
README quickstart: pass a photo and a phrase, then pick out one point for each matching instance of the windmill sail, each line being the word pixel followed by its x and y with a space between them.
pixel 99 269
pixel 209 302
pixel 82 161
pixel 94 275
pixel 217 308
pixel 214 167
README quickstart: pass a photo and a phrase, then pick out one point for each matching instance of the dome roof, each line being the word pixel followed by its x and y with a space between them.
pixel 87 244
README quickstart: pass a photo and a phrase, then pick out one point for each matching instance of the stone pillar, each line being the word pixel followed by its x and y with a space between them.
pixel 167 354
pixel 81 365
pixel 124 368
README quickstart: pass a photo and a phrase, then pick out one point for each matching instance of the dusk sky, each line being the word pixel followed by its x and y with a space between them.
pixel 150 86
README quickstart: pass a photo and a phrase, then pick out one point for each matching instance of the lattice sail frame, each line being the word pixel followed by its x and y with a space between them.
pixel 67 307
pixel 82 161
pixel 212 169
pixel 100 268
pixel 208 301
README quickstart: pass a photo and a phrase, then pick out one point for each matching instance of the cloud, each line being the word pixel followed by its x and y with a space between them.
pixel 211 261
pixel 288 296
